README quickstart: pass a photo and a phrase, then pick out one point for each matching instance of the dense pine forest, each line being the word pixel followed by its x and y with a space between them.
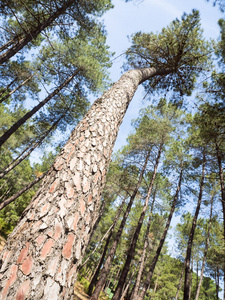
pixel 79 220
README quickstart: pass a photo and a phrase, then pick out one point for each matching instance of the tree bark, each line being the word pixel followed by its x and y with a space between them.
pixel 131 250
pixel 162 240
pixel 191 236
pixel 108 262
pixel 28 115
pixel 41 256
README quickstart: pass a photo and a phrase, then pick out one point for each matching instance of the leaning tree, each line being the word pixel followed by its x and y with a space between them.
pixel 42 255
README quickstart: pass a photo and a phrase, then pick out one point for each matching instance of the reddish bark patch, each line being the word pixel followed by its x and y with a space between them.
pixel 89 199
pixel 44 209
pixel 54 185
pixel 59 164
pixel 47 248
pixel 71 152
pixel 23 290
pixel 58 231
pixel 81 138
pixel 69 190
pixel 10 281
pixel 67 249
pixel 6 255
pixel 40 239
pixel 82 206
pixel 23 254
pixel 27 265
pixel 76 218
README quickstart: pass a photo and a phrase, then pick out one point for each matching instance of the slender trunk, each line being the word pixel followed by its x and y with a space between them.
pixel 191 236
pixel 23 190
pixel 26 153
pixel 205 252
pixel 191 278
pixel 41 256
pixel 95 225
pixel 142 260
pixel 22 42
pixel 28 115
pixel 222 185
pixel 17 88
pixel 180 282
pixel 7 87
pixel 127 286
pixel 97 271
pixel 162 240
pixel 217 277
pixel 108 262
pixel 131 250
pixel 155 287
pixel 9 43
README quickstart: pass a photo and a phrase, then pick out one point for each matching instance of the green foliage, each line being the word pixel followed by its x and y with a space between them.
pixel 178 48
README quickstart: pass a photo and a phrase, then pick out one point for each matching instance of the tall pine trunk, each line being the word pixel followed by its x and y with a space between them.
pixel 108 262
pixel 205 252
pixel 191 236
pixel 162 240
pixel 97 271
pixel 222 185
pixel 131 250
pixel 42 254
pixel 143 255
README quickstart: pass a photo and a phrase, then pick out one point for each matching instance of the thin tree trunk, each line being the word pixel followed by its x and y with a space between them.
pixel 17 88
pixel 180 281
pixel 7 87
pixel 41 256
pixel 191 236
pixel 22 42
pixel 131 250
pixel 162 240
pixel 205 252
pixel 217 282
pixel 23 190
pixel 127 286
pixel 191 279
pixel 97 271
pixel 108 262
pixel 222 185
pixel 142 261
pixel 100 214
pixel 17 161
pixel 29 114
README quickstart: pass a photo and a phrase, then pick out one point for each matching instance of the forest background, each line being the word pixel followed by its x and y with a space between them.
pixel 125 19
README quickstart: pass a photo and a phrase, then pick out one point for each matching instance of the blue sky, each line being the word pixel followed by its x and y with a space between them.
pixel 148 15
